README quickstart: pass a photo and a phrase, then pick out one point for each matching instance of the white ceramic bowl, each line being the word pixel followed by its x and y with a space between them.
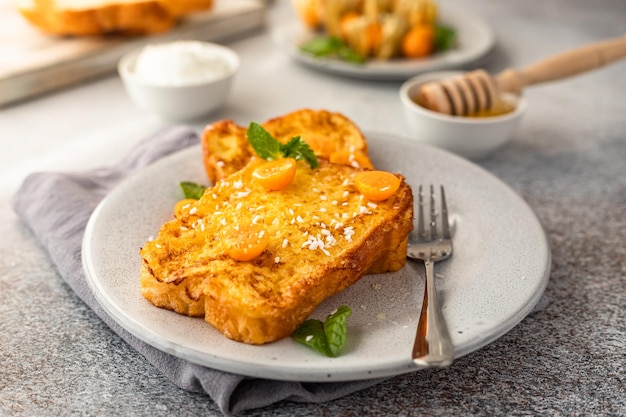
pixel 184 98
pixel 473 138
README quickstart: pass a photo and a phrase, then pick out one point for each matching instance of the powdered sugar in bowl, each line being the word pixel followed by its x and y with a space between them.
pixel 180 80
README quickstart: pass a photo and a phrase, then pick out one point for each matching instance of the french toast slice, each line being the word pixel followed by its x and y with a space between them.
pixel 323 237
pixel 331 136
pixel 170 296
pixel 102 17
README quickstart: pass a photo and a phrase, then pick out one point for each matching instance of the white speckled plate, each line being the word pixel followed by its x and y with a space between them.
pixel 498 272
pixel 475 40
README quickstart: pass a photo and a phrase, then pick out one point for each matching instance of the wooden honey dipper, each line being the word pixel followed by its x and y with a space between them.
pixel 477 91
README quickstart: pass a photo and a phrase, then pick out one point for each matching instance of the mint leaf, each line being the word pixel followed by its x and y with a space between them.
pixel 335 329
pixel 270 148
pixel 300 150
pixel 311 333
pixel 192 190
pixel 322 46
pixel 348 54
pixel 445 38
pixel 263 143
pixel 327 338
pixel 334 47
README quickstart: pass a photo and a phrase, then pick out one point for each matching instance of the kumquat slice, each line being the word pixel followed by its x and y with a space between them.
pixel 419 41
pixel 276 175
pixel 376 185
pixel 345 21
pixel 184 206
pixel 246 242
pixel 353 159
pixel 373 36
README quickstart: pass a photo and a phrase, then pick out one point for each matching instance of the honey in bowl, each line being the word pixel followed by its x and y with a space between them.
pixel 500 108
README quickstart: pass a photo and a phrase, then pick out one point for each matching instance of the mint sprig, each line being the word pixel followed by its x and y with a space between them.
pixel 332 46
pixel 192 190
pixel 322 45
pixel 298 149
pixel 270 148
pixel 263 143
pixel 445 38
pixel 328 337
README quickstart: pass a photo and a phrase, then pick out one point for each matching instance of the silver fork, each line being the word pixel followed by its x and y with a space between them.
pixel 432 346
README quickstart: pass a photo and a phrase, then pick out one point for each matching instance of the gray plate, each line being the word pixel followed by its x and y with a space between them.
pixel 498 272
pixel 475 40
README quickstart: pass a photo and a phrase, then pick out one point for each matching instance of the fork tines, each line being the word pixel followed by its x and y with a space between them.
pixel 445 225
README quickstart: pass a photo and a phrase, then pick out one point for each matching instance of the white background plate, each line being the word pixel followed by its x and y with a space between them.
pixel 497 273
pixel 475 40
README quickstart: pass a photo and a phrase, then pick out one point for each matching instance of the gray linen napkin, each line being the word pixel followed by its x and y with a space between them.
pixel 57 206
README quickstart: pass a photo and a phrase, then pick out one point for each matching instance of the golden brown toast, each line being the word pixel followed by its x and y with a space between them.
pixel 323 236
pixel 330 135
pixel 100 17
pixel 174 297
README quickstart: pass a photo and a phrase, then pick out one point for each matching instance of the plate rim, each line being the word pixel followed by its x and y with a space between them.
pixel 310 375
pixel 386 70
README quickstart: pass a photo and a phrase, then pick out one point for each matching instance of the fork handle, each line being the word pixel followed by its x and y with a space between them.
pixel 433 346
